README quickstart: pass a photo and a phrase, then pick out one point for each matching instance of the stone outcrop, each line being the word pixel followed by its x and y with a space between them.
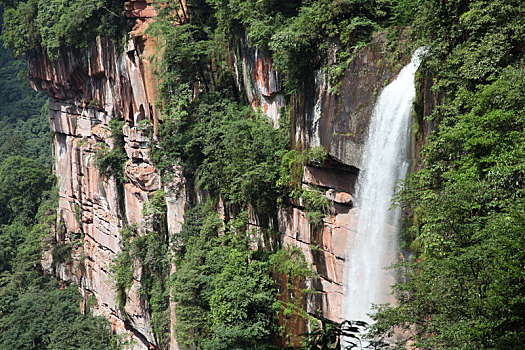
pixel 256 77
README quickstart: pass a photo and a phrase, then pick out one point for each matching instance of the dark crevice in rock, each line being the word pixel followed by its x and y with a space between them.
pixel 140 336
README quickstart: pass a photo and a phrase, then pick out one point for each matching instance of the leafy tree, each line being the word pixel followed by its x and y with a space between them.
pixel 243 303
pixel 22 182
pixel 51 320
pixel 230 151
pixel 24 126
pixel 224 291
pixel 112 162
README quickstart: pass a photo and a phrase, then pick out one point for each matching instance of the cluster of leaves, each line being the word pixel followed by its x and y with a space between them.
pixel 471 41
pixel 112 162
pixel 330 335
pixel 465 289
pixel 316 205
pixel 154 256
pixel 223 289
pixel 230 151
pixel 292 166
pixel 225 294
pixel 31 25
pixel 299 34
pixel 24 126
pixel 123 265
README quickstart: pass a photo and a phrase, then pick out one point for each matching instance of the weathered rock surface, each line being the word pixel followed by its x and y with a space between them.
pixel 87 89
pixel 339 123
pixel 262 84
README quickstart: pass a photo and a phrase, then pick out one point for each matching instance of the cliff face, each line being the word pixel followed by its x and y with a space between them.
pixel 89 87
pixel 339 123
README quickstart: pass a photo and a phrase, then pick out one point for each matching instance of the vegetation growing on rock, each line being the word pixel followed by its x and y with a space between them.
pixel 32 25
pixel 464 289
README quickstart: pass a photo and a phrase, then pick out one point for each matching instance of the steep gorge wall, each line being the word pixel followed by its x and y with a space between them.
pixel 339 123
pixel 89 87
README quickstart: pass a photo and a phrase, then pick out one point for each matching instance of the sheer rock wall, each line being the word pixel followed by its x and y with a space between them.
pixel 338 122
pixel 88 88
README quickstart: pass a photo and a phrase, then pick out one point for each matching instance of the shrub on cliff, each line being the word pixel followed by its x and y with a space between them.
pixel 112 162
pixel 32 25
pixel 224 291
pixel 228 149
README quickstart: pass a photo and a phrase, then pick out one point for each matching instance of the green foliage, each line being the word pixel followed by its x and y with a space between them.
pixel 61 253
pixel 24 114
pixel 49 319
pixel 193 282
pixel 292 166
pixel 54 24
pixel 317 206
pixel 328 335
pixel 22 183
pixel 112 162
pixel 123 265
pixel 290 270
pixel 292 264
pixel 224 291
pixel 149 252
pixel 229 150
pixel 299 34
pixel 304 40
pixel 242 303
pixel 471 41
pixel 34 312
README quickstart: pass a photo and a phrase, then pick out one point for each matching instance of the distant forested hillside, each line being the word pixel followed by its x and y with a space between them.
pixel 24 126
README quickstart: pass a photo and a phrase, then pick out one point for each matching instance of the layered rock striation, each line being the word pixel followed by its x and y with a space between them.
pixel 339 123
pixel 87 88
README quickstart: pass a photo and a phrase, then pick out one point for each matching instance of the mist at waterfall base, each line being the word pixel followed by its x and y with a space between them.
pixel 373 247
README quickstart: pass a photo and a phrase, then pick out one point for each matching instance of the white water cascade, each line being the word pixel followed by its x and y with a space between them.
pixel 374 246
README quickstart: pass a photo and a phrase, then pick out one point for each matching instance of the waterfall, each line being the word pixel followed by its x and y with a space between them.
pixel 374 246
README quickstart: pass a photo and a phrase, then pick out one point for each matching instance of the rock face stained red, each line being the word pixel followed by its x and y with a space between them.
pixel 339 123
pixel 89 87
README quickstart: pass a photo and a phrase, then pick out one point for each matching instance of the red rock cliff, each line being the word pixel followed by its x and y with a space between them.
pixel 87 88
pixel 339 123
